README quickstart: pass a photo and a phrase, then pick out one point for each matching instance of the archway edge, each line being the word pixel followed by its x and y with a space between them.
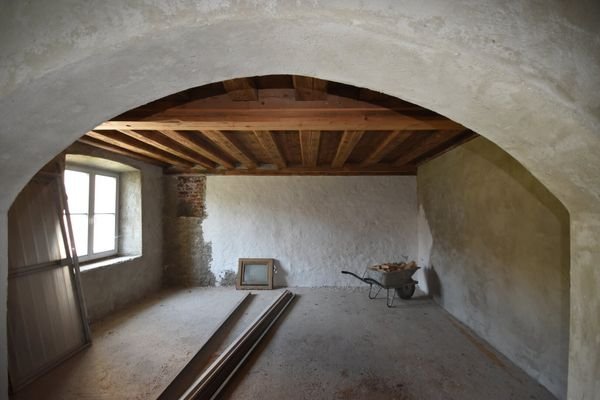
pixel 61 80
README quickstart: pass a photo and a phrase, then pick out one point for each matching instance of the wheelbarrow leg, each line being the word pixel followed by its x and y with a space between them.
pixel 389 302
pixel 371 290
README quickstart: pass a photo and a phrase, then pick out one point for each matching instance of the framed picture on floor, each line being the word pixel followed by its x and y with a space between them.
pixel 255 273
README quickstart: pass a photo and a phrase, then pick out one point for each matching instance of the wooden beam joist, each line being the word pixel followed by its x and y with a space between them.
pixel 185 140
pixel 346 170
pixel 160 142
pixel 135 148
pixel 278 111
pixel 294 120
pixel 242 89
pixel 222 141
pixel 309 147
pixel 391 141
pixel 347 143
pixel 117 150
pixel 265 138
pixel 425 145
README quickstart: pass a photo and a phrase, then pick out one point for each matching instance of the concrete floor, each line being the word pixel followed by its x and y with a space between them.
pixel 332 343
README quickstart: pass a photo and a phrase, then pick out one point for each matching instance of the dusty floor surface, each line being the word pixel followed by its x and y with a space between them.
pixel 330 344
pixel 338 344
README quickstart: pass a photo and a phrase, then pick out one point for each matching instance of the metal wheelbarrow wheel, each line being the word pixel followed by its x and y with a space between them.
pixel 406 291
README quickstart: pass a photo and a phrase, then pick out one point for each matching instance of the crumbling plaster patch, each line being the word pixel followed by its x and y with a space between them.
pixel 187 255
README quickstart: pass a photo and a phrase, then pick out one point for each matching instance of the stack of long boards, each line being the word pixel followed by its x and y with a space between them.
pixel 206 382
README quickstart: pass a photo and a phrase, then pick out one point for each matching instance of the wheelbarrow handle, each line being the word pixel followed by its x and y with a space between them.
pixel 368 281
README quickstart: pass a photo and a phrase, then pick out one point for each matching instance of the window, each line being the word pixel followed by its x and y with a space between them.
pixel 92 199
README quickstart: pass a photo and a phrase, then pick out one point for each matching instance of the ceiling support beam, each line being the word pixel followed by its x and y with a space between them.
pixel 309 147
pixel 88 141
pixel 283 120
pixel 391 141
pixel 242 89
pixel 224 143
pixel 134 147
pixel 347 144
pixel 277 111
pixel 185 140
pixel 265 139
pixel 346 170
pixel 160 142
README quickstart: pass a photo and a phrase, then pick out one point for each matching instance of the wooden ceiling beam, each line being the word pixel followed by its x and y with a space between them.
pixel 185 140
pixel 348 170
pixel 347 143
pixel 135 148
pixel 159 142
pixel 309 88
pixel 241 89
pixel 265 138
pixel 281 120
pixel 277 111
pixel 391 141
pixel 309 147
pixel 88 141
pixel 425 145
pixel 222 141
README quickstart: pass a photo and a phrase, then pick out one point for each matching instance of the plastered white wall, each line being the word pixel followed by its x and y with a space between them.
pixel 495 244
pixel 313 226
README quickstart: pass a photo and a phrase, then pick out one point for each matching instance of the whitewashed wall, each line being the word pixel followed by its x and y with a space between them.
pixel 313 226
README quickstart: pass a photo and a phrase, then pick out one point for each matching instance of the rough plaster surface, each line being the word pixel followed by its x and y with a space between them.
pixel 187 255
pixel 496 244
pixel 130 213
pixel 3 302
pixel 313 226
pixel 111 287
pixel 523 74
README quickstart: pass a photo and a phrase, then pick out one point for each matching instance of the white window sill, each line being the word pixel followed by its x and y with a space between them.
pixel 107 263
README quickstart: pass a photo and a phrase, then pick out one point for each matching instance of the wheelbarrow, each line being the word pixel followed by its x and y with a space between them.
pixel 399 282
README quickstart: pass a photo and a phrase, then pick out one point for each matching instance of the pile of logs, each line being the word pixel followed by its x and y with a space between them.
pixel 390 267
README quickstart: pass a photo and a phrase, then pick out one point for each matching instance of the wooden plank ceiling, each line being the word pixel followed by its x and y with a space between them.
pixel 280 125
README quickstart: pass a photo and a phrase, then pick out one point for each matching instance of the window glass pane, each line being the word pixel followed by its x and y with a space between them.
pixel 77 186
pixel 80 232
pixel 105 198
pixel 104 232
pixel 255 275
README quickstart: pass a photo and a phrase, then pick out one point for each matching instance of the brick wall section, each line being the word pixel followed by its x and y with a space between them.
pixel 191 192
pixel 187 256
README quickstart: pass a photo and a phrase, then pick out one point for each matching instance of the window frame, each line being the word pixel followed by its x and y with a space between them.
pixel 93 171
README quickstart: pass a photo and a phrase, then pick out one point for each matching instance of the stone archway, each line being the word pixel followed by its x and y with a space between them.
pixel 525 77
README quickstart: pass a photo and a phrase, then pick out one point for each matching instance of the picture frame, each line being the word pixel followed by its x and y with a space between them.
pixel 255 273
